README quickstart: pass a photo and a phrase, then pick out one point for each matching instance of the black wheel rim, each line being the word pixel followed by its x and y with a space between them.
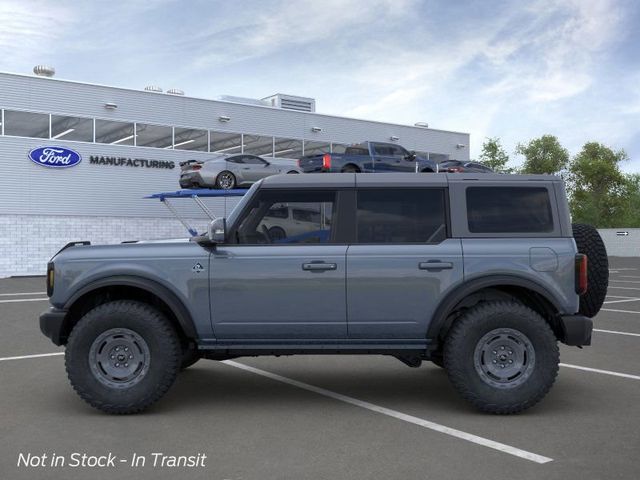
pixel 119 358
pixel 504 358
pixel 225 180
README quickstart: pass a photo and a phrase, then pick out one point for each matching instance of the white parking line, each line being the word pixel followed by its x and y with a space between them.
pixel 485 442
pixel 614 269
pixel 616 332
pixel 625 281
pixel 24 293
pixel 618 311
pixel 597 370
pixel 23 357
pixel 629 276
pixel 17 300
pixel 628 299
pixel 623 288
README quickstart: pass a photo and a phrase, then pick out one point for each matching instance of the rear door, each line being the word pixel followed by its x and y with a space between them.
pixel 402 262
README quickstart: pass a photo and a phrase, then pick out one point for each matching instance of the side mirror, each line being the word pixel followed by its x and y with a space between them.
pixel 411 157
pixel 217 230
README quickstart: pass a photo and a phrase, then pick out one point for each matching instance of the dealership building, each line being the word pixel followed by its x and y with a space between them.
pixel 127 144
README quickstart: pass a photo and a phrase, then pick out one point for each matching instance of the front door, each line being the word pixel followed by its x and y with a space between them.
pixel 401 264
pixel 278 281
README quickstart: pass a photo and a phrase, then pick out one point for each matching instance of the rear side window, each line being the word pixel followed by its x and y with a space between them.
pixel 509 210
pixel 401 216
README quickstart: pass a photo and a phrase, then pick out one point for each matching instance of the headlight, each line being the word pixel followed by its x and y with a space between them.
pixel 50 278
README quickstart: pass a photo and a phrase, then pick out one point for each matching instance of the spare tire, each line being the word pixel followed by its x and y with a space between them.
pixel 590 243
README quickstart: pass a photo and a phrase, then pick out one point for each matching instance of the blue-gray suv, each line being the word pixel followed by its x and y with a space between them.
pixel 481 274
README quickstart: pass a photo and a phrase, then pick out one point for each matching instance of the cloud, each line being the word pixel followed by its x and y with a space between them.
pixel 30 29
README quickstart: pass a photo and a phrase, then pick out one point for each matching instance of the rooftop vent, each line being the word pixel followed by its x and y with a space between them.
pixel 44 71
pixel 153 88
pixel 175 91
pixel 291 102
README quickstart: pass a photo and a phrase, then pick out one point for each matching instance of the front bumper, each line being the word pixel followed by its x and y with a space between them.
pixel 576 330
pixel 52 325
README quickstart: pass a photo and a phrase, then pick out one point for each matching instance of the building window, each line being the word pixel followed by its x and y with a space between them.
pixel 71 128
pixel 224 142
pixel 191 139
pixel 115 133
pixel 26 124
pixel 157 136
pixel 257 145
pixel 287 148
pixel 316 148
pixel 401 216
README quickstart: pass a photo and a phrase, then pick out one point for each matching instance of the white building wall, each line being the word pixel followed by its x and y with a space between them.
pixel 620 245
pixel 27 242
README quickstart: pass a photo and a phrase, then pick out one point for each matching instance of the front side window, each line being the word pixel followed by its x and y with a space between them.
pixel 509 210
pixel 281 217
pixel 252 160
pixel 401 216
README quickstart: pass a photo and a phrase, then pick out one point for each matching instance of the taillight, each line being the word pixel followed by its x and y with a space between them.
pixel 50 278
pixel 455 169
pixel 299 163
pixel 581 274
pixel 196 167
pixel 326 161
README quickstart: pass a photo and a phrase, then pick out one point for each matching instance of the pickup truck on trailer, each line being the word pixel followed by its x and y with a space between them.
pixel 482 274
pixel 368 157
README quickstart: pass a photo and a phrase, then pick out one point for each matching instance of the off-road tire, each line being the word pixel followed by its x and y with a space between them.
pixel 590 243
pixel 190 355
pixel 437 359
pixel 165 355
pixel 468 332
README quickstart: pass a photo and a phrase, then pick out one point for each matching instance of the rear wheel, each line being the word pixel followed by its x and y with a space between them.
pixel 590 243
pixel 502 357
pixel 122 356
pixel 350 169
pixel 225 180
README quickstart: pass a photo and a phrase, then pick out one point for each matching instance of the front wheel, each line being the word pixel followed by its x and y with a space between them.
pixel 122 356
pixel 502 357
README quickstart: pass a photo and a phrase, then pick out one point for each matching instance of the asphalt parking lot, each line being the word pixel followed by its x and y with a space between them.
pixel 338 417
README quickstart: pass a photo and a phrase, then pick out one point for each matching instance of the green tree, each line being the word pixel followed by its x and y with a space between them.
pixel 494 156
pixel 631 216
pixel 543 155
pixel 600 192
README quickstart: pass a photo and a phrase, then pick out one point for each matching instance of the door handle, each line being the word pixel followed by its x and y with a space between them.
pixel 435 265
pixel 319 266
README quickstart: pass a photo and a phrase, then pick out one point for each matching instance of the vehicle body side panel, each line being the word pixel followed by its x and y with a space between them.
pixel 528 258
pixel 170 265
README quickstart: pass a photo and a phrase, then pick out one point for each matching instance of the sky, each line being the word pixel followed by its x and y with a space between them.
pixel 513 70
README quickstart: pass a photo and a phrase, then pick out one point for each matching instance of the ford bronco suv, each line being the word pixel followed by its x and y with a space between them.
pixel 481 274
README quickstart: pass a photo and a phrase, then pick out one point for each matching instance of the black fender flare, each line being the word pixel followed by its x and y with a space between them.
pixel 468 288
pixel 176 306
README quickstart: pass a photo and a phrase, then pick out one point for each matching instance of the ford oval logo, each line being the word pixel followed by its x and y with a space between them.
pixel 55 157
